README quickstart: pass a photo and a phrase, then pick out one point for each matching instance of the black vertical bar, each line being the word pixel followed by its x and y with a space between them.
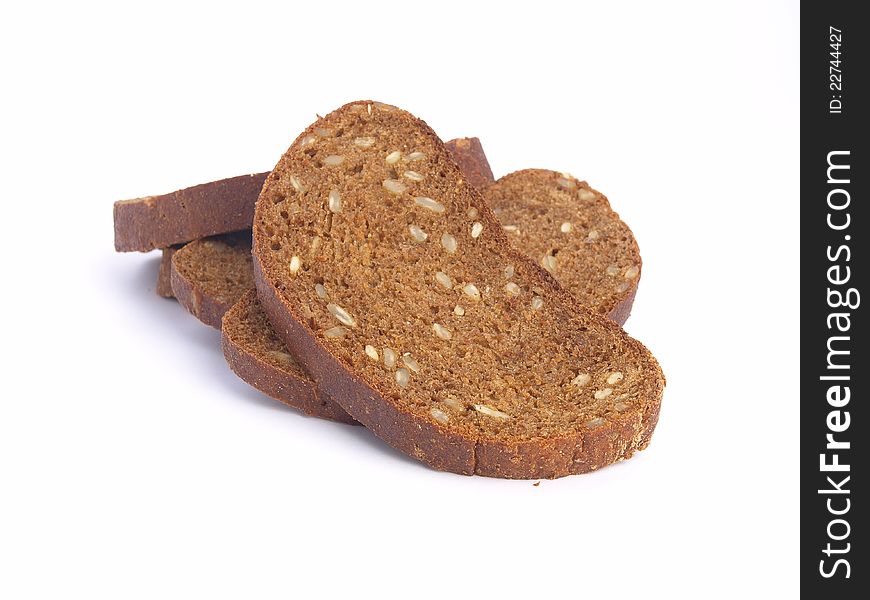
pixel 835 363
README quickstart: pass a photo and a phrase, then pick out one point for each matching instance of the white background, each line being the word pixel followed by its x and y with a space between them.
pixel 133 464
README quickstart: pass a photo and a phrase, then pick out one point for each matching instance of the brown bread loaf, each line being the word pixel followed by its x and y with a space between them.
pixel 571 231
pixel 394 285
pixel 259 358
pixel 208 276
pixel 153 222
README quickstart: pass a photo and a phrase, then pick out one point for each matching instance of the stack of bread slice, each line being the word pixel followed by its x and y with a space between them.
pixel 378 276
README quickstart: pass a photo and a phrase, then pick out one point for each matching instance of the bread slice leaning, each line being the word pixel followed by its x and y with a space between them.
pixel 571 231
pixel 208 276
pixel 394 285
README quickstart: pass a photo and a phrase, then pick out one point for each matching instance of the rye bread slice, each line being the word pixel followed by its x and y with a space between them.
pixel 210 275
pixel 152 222
pixel 403 299
pixel 258 357
pixel 469 155
pixel 571 231
pixel 217 207
pixel 213 273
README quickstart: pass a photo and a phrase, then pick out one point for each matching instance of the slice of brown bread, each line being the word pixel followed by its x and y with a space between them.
pixel 259 358
pixel 153 222
pixel 402 297
pixel 164 277
pixel 561 221
pixel 210 275
pixel 468 154
pixel 224 206
pixel 571 231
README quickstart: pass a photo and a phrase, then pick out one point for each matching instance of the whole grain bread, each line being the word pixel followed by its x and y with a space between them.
pixel 153 222
pixel 208 276
pixel 217 207
pixel 392 282
pixel 469 155
pixel 259 358
pixel 211 274
pixel 571 231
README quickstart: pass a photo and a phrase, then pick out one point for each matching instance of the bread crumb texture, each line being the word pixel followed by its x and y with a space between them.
pixel 571 230
pixel 502 357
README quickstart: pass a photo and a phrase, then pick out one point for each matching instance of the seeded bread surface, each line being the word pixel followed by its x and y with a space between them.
pixel 469 155
pixel 217 207
pixel 210 275
pixel 571 231
pixel 214 272
pixel 152 222
pixel 258 357
pixel 403 299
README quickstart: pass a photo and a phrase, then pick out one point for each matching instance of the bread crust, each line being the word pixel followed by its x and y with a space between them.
pixel 152 222
pixel 164 274
pixel 434 444
pixel 468 154
pixel 280 385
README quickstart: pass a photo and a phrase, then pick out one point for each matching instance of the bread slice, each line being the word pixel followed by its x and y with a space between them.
pixel 259 358
pixel 208 276
pixel 211 274
pixel 581 241
pixel 571 231
pixel 468 154
pixel 207 209
pixel 212 278
pixel 164 277
pixel 393 284
pixel 153 222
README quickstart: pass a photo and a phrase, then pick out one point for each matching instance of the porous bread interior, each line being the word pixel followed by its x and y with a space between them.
pixel 535 205
pixel 219 266
pixel 523 361
pixel 247 326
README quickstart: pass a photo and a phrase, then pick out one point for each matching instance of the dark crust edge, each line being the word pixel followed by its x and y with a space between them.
pixel 144 224
pixel 163 287
pixel 621 309
pixel 204 307
pixel 469 155
pixel 441 449
pixel 279 385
